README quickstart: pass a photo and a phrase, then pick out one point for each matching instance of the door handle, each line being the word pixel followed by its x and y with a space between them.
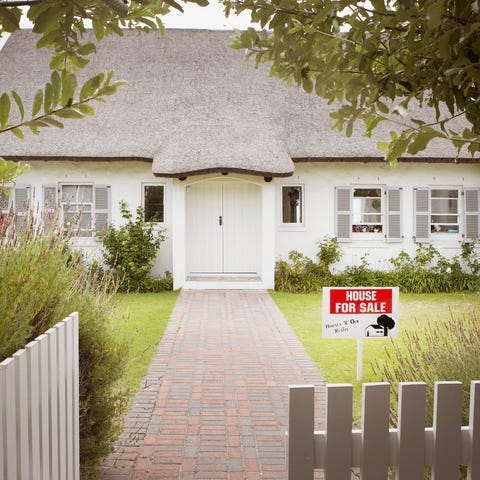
pixel 220 220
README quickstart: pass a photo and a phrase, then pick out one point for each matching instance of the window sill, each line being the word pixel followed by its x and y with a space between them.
pixel 286 227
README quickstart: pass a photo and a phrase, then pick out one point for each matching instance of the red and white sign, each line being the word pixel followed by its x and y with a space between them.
pixel 360 312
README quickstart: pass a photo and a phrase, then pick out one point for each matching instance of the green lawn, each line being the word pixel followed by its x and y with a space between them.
pixel 141 319
pixel 336 358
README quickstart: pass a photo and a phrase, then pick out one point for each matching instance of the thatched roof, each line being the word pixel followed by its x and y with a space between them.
pixel 194 106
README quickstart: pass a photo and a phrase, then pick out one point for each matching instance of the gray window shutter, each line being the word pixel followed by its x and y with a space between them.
pixel 21 205
pixel 393 214
pixel 343 214
pixel 50 208
pixel 472 213
pixel 21 195
pixel 421 202
pixel 102 208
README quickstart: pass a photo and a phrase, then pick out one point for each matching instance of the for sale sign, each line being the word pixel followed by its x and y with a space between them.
pixel 360 312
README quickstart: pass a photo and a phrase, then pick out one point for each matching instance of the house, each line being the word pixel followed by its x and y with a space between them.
pixel 239 168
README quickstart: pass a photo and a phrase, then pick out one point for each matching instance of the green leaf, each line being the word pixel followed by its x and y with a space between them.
pixel 10 19
pixel 91 86
pixel 56 87
pixel 19 103
pixel 69 85
pixel 174 4
pixel 68 113
pixel 18 133
pixel 87 49
pixel 48 18
pixel 37 103
pixel 420 140
pixel 47 99
pixel 52 121
pixel 85 109
pixel 5 106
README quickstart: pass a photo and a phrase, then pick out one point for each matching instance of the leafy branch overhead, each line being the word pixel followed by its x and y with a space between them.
pixel 415 63
pixel 61 27
pixel 54 103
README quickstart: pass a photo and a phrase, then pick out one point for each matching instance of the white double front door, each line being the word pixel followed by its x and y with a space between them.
pixel 223 228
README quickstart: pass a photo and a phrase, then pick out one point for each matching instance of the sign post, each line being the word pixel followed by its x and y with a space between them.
pixel 360 312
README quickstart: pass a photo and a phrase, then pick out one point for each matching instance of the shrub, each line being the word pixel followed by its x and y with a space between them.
pixel 130 250
pixel 436 352
pixel 425 272
pixel 300 274
pixel 43 282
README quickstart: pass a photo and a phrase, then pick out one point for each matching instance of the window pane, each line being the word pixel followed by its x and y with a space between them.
pixel 367 210
pixel 85 194
pixel 69 193
pixel 77 204
pixel 444 193
pixel 444 205
pixel 154 203
pixel 444 208
pixel 292 204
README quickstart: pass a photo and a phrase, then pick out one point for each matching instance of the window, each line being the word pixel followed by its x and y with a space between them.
pixel 85 208
pixel 153 197
pixel 77 206
pixel 15 202
pixel 368 212
pixel 292 204
pixel 445 211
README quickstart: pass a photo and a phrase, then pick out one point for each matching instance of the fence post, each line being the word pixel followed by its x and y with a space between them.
pixel 338 454
pixel 300 455
pixel 474 432
pixel 411 430
pixel 375 431
pixel 447 421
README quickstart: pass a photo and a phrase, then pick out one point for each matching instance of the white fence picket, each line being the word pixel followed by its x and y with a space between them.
pixel 338 452
pixel 44 386
pixel 447 422
pixel 61 405
pixel 300 445
pixel 474 433
pixel 21 395
pixel 375 431
pixel 33 406
pixel 39 408
pixel 411 428
pixel 10 417
pixel 374 448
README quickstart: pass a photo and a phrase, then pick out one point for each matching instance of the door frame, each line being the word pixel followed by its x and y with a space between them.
pixel 267 231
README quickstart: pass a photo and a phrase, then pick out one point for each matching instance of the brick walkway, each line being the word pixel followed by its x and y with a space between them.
pixel 214 402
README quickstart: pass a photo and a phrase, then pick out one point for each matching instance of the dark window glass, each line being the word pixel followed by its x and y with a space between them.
pixel 154 203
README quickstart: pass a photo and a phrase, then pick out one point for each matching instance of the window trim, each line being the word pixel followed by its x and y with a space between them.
pixel 292 225
pixel 96 210
pixel 155 184
pixel 392 228
pixel 422 215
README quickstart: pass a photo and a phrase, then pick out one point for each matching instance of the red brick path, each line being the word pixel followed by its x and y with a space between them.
pixel 214 402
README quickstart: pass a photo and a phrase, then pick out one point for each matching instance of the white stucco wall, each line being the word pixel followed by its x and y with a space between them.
pixel 126 180
pixel 319 181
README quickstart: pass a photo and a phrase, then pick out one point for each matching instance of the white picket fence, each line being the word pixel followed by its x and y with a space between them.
pixel 375 447
pixel 39 407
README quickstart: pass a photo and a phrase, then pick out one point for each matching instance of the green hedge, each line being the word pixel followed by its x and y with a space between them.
pixel 426 272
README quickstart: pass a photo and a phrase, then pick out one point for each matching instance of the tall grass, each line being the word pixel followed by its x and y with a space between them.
pixel 42 281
